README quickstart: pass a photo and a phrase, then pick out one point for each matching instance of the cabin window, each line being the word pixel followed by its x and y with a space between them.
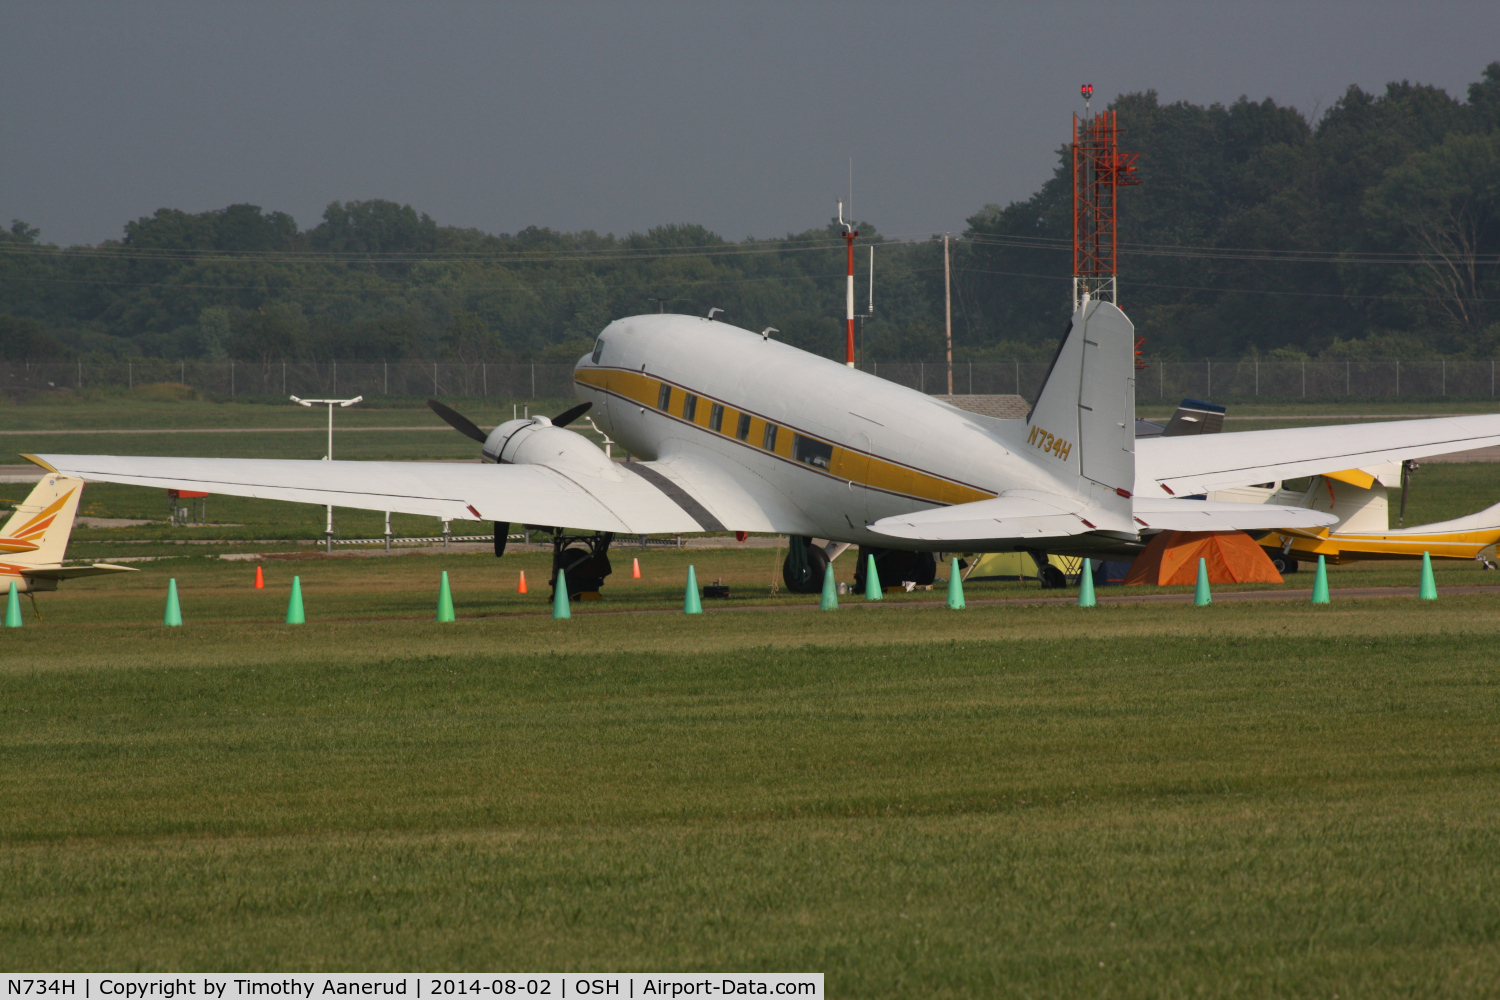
pixel 812 451
pixel 690 408
pixel 743 430
pixel 769 442
pixel 664 397
pixel 598 350
pixel 716 418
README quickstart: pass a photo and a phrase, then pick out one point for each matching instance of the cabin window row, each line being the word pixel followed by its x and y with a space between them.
pixel 804 449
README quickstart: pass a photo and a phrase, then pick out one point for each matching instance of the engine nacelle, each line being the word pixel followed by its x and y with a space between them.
pixel 534 441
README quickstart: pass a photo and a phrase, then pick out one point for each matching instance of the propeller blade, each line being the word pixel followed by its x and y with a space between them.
pixel 567 416
pixel 458 421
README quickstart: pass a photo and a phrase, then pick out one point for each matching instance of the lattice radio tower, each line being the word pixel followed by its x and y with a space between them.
pixel 1099 171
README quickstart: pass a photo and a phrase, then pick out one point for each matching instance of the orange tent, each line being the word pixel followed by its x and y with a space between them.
pixel 1172 557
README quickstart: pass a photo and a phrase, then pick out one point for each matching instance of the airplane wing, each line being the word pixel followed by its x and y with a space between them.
pixel 636 502
pixel 74 572
pixel 1032 516
pixel 1185 466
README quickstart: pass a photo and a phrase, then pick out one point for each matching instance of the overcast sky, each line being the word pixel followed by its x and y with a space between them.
pixel 621 116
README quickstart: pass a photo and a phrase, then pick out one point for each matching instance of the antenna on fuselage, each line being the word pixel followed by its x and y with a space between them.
pixel 850 234
pixel 714 311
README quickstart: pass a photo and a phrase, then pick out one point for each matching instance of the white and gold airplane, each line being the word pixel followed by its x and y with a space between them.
pixel 35 538
pixel 737 432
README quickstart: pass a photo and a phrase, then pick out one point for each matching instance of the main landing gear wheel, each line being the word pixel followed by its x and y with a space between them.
pixel 1052 578
pixel 804 567
pixel 1284 563
pixel 584 560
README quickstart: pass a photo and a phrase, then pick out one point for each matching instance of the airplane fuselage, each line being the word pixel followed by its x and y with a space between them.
pixel 842 448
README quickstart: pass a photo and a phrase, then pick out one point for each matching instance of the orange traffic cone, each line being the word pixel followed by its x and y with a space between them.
pixel 522 588
pixel 635 569
pixel 260 579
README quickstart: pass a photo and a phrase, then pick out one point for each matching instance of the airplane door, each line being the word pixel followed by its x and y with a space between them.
pixel 856 470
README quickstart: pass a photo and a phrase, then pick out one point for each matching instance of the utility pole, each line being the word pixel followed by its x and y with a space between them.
pixel 948 310
pixel 850 234
pixel 331 403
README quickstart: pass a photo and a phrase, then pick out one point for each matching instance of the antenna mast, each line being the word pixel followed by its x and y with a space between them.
pixel 850 234
pixel 1099 171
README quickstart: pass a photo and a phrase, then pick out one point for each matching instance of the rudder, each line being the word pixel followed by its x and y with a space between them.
pixel 37 533
pixel 1085 414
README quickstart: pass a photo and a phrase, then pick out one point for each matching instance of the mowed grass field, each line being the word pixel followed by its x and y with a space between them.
pixel 1133 800
pixel 1138 800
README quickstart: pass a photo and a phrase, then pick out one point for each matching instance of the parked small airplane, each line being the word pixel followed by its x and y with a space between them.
pixel 1357 497
pixel 35 538
pixel 737 432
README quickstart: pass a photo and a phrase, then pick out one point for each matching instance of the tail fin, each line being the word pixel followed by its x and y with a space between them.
pixel 1085 415
pixel 37 533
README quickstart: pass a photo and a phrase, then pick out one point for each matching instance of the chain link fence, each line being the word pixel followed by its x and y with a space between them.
pixel 301 378
pixel 1160 381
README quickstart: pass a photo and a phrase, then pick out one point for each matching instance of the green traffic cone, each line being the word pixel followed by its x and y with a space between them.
pixel 1086 585
pixel 445 601
pixel 692 603
pixel 955 587
pixel 174 610
pixel 560 606
pixel 1320 583
pixel 830 601
pixel 1201 596
pixel 872 580
pixel 13 608
pixel 294 615
pixel 1428 590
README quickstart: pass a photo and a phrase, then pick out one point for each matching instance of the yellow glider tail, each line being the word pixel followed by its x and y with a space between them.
pixel 35 537
pixel 37 533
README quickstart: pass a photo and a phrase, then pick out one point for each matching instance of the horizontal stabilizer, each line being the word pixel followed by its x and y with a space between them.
pixel 1206 515
pixel 1029 514
pixel 74 572
pixel 1018 515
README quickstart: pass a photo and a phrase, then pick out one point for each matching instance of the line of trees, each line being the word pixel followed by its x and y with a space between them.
pixel 1387 204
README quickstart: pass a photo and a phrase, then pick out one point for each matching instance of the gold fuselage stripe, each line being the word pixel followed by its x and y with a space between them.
pixel 845 464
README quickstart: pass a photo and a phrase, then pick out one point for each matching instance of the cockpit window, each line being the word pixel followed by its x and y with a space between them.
pixel 598 350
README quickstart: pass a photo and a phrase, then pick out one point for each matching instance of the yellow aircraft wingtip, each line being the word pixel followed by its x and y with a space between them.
pixel 38 461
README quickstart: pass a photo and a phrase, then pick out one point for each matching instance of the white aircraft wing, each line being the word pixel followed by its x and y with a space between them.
pixel 637 502
pixel 1185 466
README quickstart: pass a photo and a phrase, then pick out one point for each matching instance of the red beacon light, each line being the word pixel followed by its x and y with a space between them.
pixel 1087 90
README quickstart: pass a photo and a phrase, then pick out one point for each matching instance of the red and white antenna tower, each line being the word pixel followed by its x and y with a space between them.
pixel 850 235
pixel 1099 171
